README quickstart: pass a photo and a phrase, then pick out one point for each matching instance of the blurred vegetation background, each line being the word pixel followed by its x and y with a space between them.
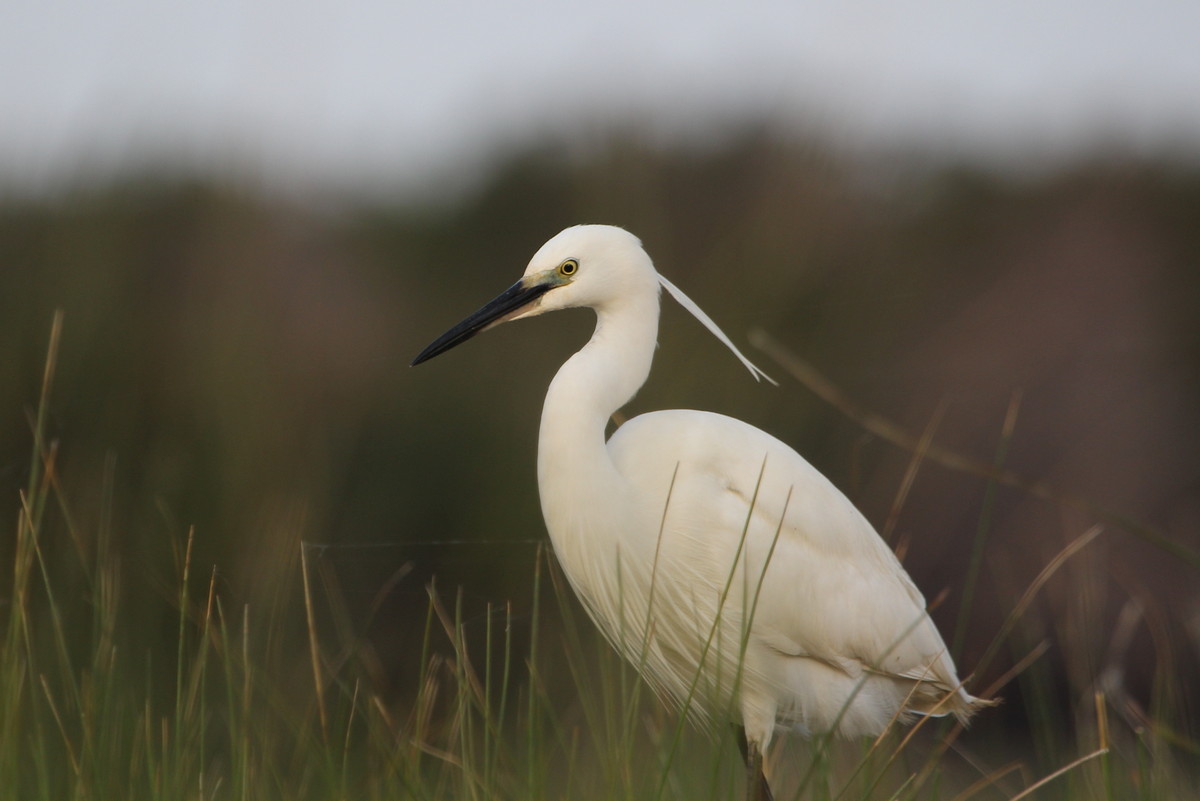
pixel 238 363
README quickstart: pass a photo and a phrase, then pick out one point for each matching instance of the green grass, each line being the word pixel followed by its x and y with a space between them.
pixel 114 686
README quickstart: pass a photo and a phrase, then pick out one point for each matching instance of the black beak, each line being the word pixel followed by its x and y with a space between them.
pixel 493 312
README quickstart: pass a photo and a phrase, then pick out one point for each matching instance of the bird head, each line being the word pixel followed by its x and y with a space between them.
pixel 585 265
pixel 588 265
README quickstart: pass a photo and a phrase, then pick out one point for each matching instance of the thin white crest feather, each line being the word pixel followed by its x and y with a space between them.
pixel 689 304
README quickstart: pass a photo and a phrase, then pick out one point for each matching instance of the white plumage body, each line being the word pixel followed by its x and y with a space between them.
pixel 839 637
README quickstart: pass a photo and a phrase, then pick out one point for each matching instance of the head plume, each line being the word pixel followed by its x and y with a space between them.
pixel 687 303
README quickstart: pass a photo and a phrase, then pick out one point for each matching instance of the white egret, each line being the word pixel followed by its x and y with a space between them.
pixel 738 580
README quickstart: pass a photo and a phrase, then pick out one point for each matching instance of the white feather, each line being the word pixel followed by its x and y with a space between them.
pixel 689 304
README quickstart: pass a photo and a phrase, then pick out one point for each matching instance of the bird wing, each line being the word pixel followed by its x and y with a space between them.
pixel 820 583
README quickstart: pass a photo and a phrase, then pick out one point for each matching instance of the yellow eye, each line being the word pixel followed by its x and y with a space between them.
pixel 568 268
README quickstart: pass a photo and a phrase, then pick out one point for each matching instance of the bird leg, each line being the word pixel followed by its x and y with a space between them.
pixel 757 788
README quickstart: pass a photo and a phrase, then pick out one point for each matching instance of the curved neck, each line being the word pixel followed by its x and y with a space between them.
pixel 589 387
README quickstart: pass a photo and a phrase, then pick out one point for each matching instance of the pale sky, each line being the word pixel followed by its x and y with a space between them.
pixel 395 94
